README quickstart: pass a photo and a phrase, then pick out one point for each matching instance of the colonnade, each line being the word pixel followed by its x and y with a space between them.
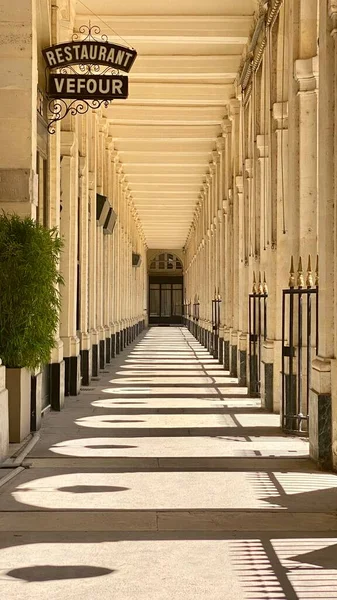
pixel 72 180
pixel 269 195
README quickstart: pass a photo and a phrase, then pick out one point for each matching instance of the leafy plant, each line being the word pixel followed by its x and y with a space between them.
pixel 29 295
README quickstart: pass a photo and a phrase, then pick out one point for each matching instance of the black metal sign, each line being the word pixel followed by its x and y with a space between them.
pixel 86 72
pixel 99 87
pixel 90 52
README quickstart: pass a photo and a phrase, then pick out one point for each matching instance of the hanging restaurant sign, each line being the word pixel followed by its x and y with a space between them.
pixel 104 53
pixel 87 72
pixel 86 86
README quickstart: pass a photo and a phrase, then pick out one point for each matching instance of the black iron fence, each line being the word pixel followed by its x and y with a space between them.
pixel 257 332
pixel 299 345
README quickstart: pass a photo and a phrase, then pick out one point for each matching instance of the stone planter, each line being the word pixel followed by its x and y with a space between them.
pixel 4 424
pixel 19 389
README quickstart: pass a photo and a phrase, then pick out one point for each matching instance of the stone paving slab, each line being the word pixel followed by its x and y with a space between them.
pixel 97 489
pixel 167 521
pixel 77 442
pixel 58 565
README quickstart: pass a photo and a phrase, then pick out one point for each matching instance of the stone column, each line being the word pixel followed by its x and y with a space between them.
pixel 306 73
pixel 68 262
pixel 236 186
pixel 323 395
pixel 278 272
pixel 18 108
pixel 86 362
pixel 93 244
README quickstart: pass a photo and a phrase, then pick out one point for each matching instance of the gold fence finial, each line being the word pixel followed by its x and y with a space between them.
pixel 254 283
pixel 316 273
pixel 309 280
pixel 300 278
pixel 219 297
pixel 265 287
pixel 260 287
pixel 292 273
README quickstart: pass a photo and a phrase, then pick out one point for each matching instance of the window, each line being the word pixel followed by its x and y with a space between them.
pixel 166 262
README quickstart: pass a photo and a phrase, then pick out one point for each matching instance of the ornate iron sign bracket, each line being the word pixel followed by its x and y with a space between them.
pixel 85 74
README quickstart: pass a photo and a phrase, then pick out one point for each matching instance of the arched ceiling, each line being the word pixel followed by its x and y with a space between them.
pixel 189 53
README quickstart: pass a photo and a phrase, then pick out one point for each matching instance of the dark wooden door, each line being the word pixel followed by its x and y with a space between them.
pixel 165 300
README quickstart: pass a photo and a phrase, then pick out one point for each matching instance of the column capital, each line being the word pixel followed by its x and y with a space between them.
pixel 226 126
pixel 234 108
pixel 67 143
pixel 280 114
pixel 211 168
pixel 262 145
pixel 306 73
pixel 215 157
pixel 333 15
pixel 220 144
pixel 239 183
pixel 249 167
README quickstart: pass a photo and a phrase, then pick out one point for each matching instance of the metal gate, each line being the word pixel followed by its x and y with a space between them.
pixel 257 332
pixel 299 345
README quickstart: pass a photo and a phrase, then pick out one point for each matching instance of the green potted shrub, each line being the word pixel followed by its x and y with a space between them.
pixel 29 309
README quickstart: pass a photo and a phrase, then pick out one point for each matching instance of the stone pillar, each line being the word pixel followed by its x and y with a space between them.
pixel 323 395
pixel 4 424
pixel 18 108
pixel 93 245
pixel 271 391
pixel 86 358
pixel 68 262
pixel 306 73
pixel 236 186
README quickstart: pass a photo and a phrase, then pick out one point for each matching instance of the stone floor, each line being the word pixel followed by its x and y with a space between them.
pixel 164 481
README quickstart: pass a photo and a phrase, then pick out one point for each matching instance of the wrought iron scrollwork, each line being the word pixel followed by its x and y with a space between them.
pixel 91 31
pixel 59 108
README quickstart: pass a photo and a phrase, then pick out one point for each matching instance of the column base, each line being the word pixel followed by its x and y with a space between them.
pixel 101 354
pixel 108 349
pixel 220 350
pixel 4 423
pixel 268 386
pixel 36 402
pixel 253 386
pixel 320 429
pixel 57 385
pixel 234 361
pixel 113 345
pixel 118 342
pixel 226 355
pixel 72 375
pixel 95 360
pixel 243 368
pixel 86 366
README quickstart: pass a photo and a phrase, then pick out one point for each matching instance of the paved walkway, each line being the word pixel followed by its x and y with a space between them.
pixel 164 481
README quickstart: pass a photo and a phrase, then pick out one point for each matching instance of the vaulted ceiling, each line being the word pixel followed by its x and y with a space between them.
pixel 189 53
